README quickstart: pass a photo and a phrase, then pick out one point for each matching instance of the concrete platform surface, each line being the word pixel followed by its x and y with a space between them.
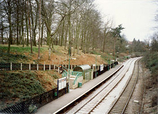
pixel 65 100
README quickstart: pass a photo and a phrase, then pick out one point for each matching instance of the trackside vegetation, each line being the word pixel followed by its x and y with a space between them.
pixel 15 86
pixel 151 62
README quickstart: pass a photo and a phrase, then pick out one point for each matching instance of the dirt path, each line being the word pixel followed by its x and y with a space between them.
pixel 134 106
pixel 145 94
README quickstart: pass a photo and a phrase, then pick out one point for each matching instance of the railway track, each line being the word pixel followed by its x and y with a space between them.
pixel 91 103
pixel 120 105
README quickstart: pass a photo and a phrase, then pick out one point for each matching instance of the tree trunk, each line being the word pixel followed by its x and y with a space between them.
pixel 26 21
pixel 27 32
pixel 69 23
pixel 33 26
pixel 10 26
pixel 30 27
pixel 77 37
pixel 65 44
pixel 2 31
pixel 42 32
pixel 104 40
pixel 39 29
pixel 22 28
pixel 17 29
pixel 62 35
pixel 82 37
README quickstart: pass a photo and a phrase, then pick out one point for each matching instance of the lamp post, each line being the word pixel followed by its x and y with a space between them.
pixel 69 69
pixel 110 61
pixel 117 56
pixel 95 66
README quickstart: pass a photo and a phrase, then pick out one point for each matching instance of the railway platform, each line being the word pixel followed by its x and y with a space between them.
pixel 63 101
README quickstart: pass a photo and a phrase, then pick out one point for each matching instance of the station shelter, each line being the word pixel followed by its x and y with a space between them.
pixel 86 72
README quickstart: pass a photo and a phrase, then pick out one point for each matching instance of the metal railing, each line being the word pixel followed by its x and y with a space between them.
pixel 37 101
pixel 77 74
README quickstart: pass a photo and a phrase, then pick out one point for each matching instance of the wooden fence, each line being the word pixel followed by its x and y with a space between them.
pixel 22 66
pixel 41 100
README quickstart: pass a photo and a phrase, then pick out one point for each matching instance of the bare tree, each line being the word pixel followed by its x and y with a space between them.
pixel 39 40
pixel 8 6
pixel 2 21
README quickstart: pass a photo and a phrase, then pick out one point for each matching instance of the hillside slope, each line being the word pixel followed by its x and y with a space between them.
pixel 59 56
pixel 19 85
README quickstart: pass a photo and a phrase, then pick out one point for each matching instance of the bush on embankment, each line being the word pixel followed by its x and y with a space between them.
pixel 151 62
pixel 15 86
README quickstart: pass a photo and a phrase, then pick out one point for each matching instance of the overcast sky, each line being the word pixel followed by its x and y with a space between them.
pixel 136 16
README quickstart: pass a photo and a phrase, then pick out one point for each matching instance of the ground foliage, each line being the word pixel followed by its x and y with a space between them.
pixel 151 61
pixel 21 85
pixel 17 54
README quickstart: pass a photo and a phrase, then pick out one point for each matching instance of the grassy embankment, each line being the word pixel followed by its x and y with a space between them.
pixel 16 86
pixel 151 82
pixel 20 85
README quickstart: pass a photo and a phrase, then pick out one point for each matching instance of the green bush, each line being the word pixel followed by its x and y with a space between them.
pixel 20 85
pixel 16 53
pixel 5 57
pixel 151 61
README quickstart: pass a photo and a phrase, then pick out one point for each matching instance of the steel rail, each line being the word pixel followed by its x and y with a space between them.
pixel 88 91
pixel 130 95
pixel 99 101
pixel 131 91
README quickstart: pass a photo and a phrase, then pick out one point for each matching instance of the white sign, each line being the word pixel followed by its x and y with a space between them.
pixel 101 67
pixel 61 83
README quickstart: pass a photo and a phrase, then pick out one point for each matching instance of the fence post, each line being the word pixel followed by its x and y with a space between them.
pixel 44 66
pixel 58 69
pixel 37 67
pixel 52 64
pixel 49 67
pixel 29 66
pixel 11 66
pixel 21 66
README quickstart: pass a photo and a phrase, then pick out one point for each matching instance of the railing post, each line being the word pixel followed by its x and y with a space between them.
pixel 29 66
pixel 37 67
pixel 21 66
pixel 11 66
pixel 58 69
pixel 49 67
pixel 44 66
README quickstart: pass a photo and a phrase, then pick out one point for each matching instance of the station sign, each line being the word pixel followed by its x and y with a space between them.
pixel 101 67
pixel 61 83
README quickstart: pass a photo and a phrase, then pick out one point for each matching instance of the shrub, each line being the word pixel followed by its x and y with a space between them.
pixel 20 85
pixel 151 61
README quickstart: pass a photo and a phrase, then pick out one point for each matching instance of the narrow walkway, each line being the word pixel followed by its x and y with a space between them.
pixel 68 98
